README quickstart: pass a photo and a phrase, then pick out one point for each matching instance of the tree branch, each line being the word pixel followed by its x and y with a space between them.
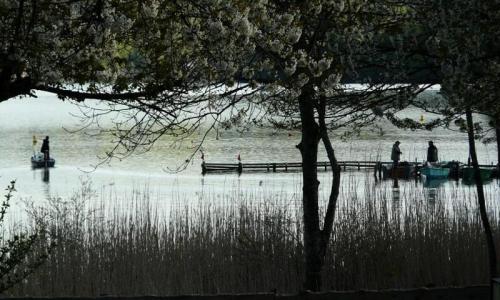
pixel 334 193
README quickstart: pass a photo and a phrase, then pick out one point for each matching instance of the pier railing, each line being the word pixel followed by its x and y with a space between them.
pixel 284 166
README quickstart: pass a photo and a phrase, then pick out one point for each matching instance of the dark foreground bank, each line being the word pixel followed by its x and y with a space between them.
pixel 455 293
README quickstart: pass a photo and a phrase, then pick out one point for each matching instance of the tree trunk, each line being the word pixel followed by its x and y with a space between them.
pixel 497 131
pixel 309 150
pixel 481 200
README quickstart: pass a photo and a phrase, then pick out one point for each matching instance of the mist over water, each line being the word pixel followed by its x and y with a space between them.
pixel 78 152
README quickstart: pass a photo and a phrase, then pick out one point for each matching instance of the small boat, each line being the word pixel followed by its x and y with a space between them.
pixel 403 171
pixel 468 174
pixel 38 161
pixel 431 172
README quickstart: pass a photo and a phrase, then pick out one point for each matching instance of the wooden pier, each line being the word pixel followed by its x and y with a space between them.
pixel 379 168
pixel 284 167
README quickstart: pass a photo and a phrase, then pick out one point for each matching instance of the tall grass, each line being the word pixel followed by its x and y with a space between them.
pixel 254 245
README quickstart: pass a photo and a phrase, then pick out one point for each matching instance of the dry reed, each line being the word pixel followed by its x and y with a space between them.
pixel 254 245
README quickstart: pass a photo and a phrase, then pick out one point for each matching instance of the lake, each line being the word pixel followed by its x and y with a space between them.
pixel 78 152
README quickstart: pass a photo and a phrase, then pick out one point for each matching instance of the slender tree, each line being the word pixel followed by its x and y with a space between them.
pixel 465 44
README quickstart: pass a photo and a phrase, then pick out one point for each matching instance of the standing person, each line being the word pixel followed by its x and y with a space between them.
pixel 34 144
pixel 432 153
pixel 45 148
pixel 396 154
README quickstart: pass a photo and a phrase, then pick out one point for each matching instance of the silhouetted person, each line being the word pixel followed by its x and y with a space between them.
pixel 432 153
pixel 396 154
pixel 45 148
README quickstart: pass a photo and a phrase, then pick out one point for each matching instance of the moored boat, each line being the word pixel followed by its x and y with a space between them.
pixel 38 161
pixel 468 174
pixel 403 171
pixel 431 172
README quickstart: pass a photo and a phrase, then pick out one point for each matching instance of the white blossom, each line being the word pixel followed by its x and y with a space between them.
pixel 293 35
pixel 216 28
pixel 276 46
pixel 341 5
pixel 287 19
pixel 98 38
pixel 291 67
pixel 150 10
pixel 324 64
pixel 53 76
pixel 120 24
pixel 317 8
pixel 331 81
pixel 267 65
pixel 243 25
pixel 247 73
pixel 75 10
pixel 302 59
pixel 302 80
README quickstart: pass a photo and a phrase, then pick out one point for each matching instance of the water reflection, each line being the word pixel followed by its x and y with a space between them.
pixel 432 187
pixel 418 181
pixel 432 194
pixel 395 190
pixel 46 175
pixel 434 183
pixel 472 181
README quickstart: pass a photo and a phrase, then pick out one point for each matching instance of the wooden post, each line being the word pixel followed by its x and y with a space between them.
pixel 240 167
pixel 203 168
pixel 359 167
pixel 274 167
pixel 286 167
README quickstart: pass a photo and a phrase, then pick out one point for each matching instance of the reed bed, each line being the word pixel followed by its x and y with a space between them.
pixel 253 244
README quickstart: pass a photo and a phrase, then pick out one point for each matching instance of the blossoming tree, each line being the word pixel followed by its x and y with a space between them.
pixel 465 46
pixel 169 66
pixel 83 49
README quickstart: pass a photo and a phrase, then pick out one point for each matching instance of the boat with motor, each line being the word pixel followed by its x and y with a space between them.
pixel 404 170
pixel 38 161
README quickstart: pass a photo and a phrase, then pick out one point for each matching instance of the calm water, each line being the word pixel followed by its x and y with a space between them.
pixel 77 153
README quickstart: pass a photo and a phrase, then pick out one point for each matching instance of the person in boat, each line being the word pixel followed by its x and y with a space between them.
pixel 396 154
pixel 432 153
pixel 45 148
